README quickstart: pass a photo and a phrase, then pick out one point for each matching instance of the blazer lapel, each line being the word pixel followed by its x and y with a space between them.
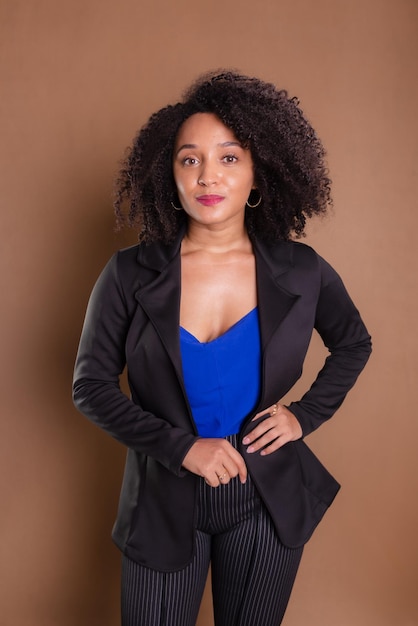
pixel 274 304
pixel 160 294
pixel 274 301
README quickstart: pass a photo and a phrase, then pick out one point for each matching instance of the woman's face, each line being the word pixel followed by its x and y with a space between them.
pixel 214 174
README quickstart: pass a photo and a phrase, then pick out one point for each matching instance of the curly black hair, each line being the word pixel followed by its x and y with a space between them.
pixel 289 159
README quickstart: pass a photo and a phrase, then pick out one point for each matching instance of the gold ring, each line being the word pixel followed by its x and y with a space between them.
pixel 274 411
pixel 222 476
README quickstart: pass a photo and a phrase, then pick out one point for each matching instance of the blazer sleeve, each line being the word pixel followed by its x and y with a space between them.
pixel 99 364
pixel 343 332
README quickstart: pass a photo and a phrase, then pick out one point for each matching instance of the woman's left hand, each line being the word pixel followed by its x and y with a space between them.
pixel 279 427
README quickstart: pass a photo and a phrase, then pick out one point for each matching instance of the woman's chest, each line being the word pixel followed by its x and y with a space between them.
pixel 215 296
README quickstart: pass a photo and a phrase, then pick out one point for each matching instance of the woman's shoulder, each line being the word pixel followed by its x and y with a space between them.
pixel 304 253
pixel 299 262
pixel 127 255
pixel 303 250
pixel 121 263
pixel 293 253
pixel 155 255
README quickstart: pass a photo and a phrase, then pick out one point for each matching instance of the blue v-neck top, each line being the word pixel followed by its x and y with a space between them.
pixel 222 377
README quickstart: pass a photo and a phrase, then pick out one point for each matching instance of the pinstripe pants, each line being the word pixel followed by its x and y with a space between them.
pixel 252 571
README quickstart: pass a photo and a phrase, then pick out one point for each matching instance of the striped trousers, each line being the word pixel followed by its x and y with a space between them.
pixel 252 571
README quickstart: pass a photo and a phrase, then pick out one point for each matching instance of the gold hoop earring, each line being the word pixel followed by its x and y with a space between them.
pixel 254 206
pixel 176 208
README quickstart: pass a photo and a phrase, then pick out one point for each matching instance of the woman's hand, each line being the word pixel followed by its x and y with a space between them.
pixel 279 427
pixel 216 461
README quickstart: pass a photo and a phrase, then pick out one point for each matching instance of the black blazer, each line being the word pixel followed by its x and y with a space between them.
pixel 133 319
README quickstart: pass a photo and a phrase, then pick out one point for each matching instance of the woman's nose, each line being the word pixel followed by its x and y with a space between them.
pixel 208 175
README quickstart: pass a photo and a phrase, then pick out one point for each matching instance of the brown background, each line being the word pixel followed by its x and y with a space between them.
pixel 78 78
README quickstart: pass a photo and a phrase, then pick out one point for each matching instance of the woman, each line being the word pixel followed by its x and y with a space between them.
pixel 212 313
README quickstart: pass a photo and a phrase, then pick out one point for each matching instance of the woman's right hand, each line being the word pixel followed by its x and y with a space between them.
pixel 216 461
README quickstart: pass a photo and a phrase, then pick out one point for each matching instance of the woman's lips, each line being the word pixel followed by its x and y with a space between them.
pixel 209 200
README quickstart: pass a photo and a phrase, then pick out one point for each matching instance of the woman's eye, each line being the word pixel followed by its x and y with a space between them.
pixel 230 158
pixel 190 161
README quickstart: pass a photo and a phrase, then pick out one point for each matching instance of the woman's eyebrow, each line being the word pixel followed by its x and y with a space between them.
pixel 193 146
pixel 186 146
pixel 227 144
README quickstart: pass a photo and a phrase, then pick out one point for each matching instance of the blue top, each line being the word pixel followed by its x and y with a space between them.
pixel 223 377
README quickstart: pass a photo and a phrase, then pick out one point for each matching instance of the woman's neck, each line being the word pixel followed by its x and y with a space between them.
pixel 216 241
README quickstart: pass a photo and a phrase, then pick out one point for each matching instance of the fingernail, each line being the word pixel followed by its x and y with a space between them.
pixel 250 449
pixel 246 440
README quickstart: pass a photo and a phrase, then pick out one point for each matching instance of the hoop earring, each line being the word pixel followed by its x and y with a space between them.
pixel 176 208
pixel 254 206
